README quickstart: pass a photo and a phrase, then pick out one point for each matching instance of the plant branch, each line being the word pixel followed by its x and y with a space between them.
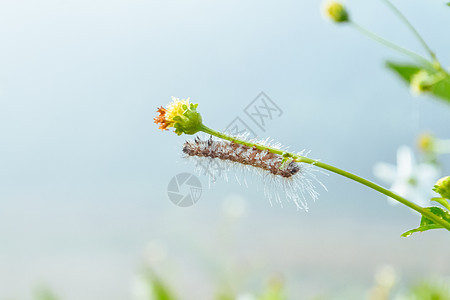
pixel 333 169
pixel 408 24
pixel 391 45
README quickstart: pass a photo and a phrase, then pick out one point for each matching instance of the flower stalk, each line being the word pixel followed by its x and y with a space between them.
pixel 184 118
pixel 408 24
pixel 391 45
pixel 303 159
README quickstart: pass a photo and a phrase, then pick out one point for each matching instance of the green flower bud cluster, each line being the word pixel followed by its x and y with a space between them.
pixel 424 81
pixel 190 122
pixel 442 187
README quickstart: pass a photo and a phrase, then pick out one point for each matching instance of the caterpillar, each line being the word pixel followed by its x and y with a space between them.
pixel 241 154
pixel 279 174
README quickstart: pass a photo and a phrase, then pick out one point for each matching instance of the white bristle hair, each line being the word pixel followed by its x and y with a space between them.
pixel 215 158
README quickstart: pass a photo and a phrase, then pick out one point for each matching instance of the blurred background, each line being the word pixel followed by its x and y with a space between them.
pixel 84 171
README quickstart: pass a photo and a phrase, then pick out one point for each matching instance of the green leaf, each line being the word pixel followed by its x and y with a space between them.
pixel 427 224
pixel 421 229
pixel 442 201
pixel 406 71
pixel 442 89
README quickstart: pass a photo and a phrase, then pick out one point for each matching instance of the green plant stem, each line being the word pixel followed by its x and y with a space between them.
pixel 333 169
pixel 408 24
pixel 382 190
pixel 391 45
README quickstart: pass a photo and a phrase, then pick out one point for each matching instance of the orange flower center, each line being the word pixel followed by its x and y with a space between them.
pixel 161 119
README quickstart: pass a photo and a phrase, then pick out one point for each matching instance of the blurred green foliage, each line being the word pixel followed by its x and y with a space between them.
pixel 427 224
pixel 44 293
pixel 440 89
pixel 437 289
pixel 430 290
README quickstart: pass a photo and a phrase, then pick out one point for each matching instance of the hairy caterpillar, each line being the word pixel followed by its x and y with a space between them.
pixel 295 179
pixel 242 154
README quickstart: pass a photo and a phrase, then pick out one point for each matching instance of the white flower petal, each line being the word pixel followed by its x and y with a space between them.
pixel 410 180
pixel 385 172
pixel 405 162
pixel 401 188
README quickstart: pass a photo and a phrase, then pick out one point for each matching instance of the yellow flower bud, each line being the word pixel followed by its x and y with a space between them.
pixel 335 11
pixel 181 115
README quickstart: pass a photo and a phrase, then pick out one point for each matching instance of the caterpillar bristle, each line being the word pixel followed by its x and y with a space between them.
pixel 245 155
pixel 217 157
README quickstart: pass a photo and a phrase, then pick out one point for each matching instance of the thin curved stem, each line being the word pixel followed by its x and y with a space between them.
pixel 391 45
pixel 387 192
pixel 408 24
pixel 239 141
pixel 333 169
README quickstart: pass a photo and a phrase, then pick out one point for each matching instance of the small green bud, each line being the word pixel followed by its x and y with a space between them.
pixel 424 81
pixel 442 187
pixel 421 82
pixel 190 122
pixel 335 11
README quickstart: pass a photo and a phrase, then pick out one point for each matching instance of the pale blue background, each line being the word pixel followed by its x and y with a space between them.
pixel 84 172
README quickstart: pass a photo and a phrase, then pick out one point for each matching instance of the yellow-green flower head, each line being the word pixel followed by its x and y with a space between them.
pixel 442 187
pixel 335 11
pixel 181 115
pixel 426 142
pixel 421 82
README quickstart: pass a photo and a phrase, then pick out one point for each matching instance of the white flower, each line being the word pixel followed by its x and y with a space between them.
pixel 411 180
